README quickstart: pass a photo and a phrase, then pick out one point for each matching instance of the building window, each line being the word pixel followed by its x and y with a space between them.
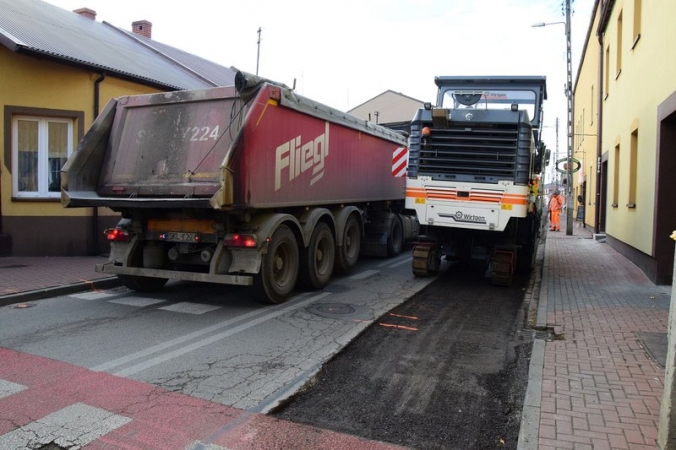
pixel 591 115
pixel 40 147
pixel 637 22
pixel 591 182
pixel 618 61
pixel 606 74
pixel 616 177
pixel 578 138
pixel 633 169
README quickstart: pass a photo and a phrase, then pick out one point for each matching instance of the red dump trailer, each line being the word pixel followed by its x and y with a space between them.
pixel 249 185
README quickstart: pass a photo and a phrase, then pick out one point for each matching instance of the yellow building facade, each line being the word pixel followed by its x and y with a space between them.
pixel 628 70
pixel 37 93
pixel 59 69
pixel 585 126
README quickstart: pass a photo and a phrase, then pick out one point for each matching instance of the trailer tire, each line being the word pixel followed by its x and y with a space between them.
pixel 277 278
pixel 142 284
pixel 395 240
pixel 347 254
pixel 318 259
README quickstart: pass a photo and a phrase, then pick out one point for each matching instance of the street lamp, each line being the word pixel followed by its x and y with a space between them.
pixel 569 98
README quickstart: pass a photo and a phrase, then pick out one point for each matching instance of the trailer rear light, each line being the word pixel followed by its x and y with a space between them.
pixel 117 234
pixel 426 131
pixel 240 240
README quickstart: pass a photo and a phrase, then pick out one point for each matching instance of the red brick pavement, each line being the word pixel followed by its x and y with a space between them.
pixel 600 389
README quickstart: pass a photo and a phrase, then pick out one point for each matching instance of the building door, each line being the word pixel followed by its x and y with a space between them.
pixel 665 195
pixel 581 202
pixel 602 201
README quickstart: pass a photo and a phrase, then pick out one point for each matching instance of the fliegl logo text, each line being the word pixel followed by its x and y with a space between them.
pixel 295 157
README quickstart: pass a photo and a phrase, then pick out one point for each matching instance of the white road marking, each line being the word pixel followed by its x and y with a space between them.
pixel 399 263
pixel 140 302
pixel 8 388
pixel 199 445
pixel 72 427
pixel 364 274
pixel 396 261
pixel 142 355
pixel 91 295
pixel 190 308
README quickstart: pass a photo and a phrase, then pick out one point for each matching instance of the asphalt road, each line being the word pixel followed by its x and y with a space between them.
pixel 378 353
pixel 447 369
pixel 210 341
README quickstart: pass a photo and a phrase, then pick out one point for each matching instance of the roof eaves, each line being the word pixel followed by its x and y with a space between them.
pixel 160 53
pixel 9 40
pixel 606 11
pixel 88 65
pixel 389 91
pixel 594 13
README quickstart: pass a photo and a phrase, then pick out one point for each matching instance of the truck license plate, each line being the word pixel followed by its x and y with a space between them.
pixel 180 237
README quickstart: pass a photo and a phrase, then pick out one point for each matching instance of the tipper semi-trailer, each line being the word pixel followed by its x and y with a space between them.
pixel 250 185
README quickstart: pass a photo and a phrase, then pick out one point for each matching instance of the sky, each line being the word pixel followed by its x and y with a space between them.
pixel 345 53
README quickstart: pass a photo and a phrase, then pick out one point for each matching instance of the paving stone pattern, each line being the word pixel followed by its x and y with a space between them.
pixel 600 388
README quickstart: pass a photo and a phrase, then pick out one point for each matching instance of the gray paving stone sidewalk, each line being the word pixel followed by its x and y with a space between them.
pixel 33 277
pixel 599 384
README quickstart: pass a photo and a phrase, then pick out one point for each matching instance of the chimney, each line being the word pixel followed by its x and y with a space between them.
pixel 86 12
pixel 142 27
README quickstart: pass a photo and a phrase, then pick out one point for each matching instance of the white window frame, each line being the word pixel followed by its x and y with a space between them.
pixel 43 155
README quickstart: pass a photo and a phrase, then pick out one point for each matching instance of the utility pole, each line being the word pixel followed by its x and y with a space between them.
pixel 556 156
pixel 569 96
pixel 568 88
pixel 258 55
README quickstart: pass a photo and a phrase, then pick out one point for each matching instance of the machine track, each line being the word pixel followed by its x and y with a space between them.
pixel 426 259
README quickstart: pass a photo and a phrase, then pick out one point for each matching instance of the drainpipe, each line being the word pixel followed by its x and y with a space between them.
pixel 95 209
pixel 0 208
pixel 599 130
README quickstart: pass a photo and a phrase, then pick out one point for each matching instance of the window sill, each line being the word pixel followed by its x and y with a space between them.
pixel 617 75
pixel 36 199
pixel 614 205
pixel 638 36
pixel 631 205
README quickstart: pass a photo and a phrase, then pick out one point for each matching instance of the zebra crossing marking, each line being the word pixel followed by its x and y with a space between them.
pixel 8 388
pixel 72 427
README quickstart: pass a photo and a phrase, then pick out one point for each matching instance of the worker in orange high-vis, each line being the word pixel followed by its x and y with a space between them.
pixel 555 205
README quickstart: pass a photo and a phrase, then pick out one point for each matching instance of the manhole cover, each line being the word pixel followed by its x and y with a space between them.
pixel 24 305
pixel 341 311
pixel 335 308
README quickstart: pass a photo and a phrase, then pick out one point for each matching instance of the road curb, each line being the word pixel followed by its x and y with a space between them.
pixel 529 431
pixel 41 294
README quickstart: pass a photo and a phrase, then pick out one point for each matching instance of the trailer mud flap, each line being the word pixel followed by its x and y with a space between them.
pixel 246 261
